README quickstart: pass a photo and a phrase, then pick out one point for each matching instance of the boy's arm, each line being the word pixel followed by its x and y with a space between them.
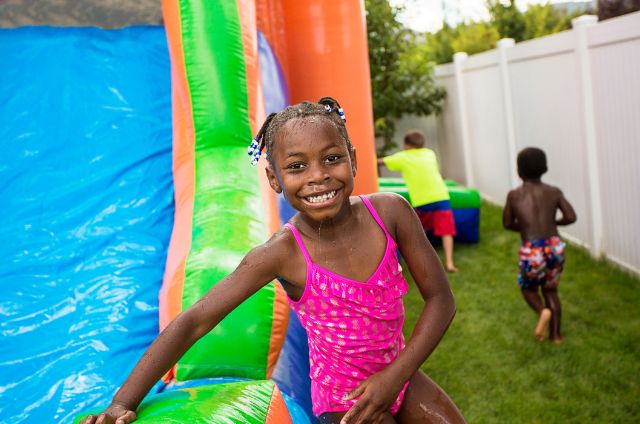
pixel 508 217
pixel 256 269
pixel 568 214
pixel 380 390
pixel 393 162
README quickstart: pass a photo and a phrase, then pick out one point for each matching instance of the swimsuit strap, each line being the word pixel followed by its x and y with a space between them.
pixel 301 245
pixel 375 215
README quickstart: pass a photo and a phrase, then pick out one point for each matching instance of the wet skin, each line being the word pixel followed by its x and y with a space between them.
pixel 311 159
pixel 531 210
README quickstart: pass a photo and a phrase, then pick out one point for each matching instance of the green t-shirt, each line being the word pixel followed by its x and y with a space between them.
pixel 419 169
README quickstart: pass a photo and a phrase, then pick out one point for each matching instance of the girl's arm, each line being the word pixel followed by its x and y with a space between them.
pixel 378 392
pixel 256 269
pixel 439 304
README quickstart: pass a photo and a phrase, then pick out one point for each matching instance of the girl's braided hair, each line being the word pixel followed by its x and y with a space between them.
pixel 327 108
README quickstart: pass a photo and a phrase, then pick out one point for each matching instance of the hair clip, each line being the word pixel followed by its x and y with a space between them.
pixel 328 108
pixel 341 113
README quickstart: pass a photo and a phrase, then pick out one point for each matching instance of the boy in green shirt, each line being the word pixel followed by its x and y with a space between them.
pixel 428 192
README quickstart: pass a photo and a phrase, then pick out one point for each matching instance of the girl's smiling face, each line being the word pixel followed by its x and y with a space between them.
pixel 312 166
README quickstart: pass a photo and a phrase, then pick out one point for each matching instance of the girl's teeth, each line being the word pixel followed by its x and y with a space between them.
pixel 322 198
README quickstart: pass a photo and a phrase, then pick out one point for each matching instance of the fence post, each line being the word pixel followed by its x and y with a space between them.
pixel 580 26
pixel 503 45
pixel 458 62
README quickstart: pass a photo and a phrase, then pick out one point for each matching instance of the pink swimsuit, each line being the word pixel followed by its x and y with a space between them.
pixel 354 328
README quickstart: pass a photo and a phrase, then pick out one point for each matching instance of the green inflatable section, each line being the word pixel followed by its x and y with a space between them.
pixel 238 402
pixel 394 182
pixel 228 216
pixel 461 197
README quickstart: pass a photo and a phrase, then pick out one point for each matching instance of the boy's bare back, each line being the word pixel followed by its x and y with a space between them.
pixel 531 210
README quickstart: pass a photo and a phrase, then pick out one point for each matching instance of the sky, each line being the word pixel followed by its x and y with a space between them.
pixel 427 15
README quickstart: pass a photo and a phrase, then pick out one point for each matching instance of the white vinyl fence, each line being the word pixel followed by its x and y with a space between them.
pixel 576 95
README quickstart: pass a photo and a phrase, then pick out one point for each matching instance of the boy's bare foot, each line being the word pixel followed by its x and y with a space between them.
pixel 558 340
pixel 451 268
pixel 543 324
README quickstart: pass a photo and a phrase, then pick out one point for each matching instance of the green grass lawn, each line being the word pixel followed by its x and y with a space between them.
pixel 496 372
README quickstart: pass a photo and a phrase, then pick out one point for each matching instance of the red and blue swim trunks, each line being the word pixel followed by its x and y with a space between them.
pixel 437 217
pixel 541 262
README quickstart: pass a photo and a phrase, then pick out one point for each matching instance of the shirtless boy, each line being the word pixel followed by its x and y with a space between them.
pixel 531 210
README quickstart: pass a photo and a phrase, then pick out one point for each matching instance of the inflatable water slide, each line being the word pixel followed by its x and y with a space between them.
pixel 127 194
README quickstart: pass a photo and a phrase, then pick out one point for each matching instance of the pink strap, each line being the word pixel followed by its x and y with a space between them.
pixel 301 245
pixel 369 206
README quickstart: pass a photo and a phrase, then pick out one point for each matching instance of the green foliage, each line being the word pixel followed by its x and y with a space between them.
pixel 475 38
pixel 506 21
pixel 438 47
pixel 493 368
pixel 537 21
pixel 544 19
pixel 401 80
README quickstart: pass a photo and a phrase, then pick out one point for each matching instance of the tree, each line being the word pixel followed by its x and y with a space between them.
pixel 475 38
pixel 401 79
pixel 438 47
pixel 543 19
pixel 507 19
pixel 537 21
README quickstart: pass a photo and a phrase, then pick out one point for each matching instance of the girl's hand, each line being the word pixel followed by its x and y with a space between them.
pixel 377 394
pixel 114 414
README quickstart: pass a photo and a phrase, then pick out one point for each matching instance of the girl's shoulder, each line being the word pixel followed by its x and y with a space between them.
pixel 387 200
pixel 281 245
pixel 391 207
pixel 283 238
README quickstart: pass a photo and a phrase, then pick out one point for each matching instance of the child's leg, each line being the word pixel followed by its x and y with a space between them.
pixel 335 417
pixel 555 258
pixel 532 296
pixel 553 302
pixel 447 245
pixel 444 226
pixel 425 402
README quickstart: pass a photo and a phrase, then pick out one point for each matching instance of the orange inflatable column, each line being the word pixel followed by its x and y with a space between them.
pixel 328 56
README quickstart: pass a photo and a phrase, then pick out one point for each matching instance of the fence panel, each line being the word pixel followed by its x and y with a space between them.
pixel 615 63
pixel 487 130
pixel 449 136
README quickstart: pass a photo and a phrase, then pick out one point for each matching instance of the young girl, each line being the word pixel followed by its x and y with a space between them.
pixel 337 260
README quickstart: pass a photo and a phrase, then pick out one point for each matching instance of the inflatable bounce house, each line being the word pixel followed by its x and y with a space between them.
pixel 127 194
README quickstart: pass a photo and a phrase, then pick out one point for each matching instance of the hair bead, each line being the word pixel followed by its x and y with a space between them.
pixel 253 146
